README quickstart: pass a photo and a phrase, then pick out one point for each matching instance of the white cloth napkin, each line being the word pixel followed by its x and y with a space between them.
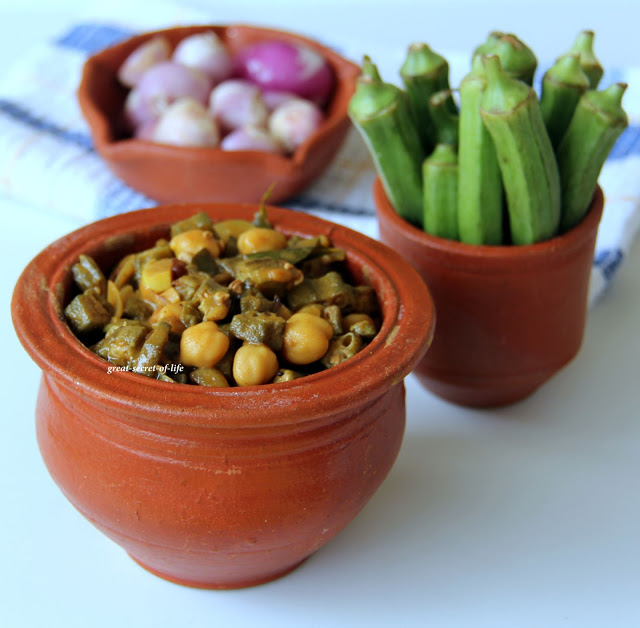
pixel 47 158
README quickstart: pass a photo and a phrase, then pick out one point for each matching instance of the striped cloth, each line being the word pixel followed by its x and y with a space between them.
pixel 47 158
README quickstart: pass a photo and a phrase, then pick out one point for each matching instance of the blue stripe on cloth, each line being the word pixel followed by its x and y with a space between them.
pixel 91 38
pixel 19 114
pixel 608 261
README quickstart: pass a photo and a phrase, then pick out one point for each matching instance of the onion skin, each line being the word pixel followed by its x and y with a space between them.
pixel 294 122
pixel 145 56
pixel 186 122
pixel 236 103
pixel 251 138
pixel 205 52
pixel 281 66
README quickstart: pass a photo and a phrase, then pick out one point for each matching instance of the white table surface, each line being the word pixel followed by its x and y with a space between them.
pixel 527 516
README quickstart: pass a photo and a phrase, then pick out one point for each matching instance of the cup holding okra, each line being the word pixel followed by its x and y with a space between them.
pixel 500 208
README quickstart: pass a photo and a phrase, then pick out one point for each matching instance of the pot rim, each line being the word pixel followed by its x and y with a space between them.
pixel 456 253
pixel 406 332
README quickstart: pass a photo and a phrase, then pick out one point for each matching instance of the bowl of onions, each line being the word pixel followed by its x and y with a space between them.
pixel 217 113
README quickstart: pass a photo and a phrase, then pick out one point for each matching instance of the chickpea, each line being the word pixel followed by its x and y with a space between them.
pixel 260 239
pixel 203 344
pixel 311 308
pixel 306 338
pixel 188 243
pixel 254 364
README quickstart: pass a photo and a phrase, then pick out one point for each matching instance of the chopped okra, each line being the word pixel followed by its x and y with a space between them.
pixel 195 309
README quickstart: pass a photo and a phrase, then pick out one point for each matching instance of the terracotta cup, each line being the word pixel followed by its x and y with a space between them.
pixel 508 317
pixel 219 488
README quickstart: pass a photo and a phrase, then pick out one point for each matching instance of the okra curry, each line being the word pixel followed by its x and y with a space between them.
pixel 234 303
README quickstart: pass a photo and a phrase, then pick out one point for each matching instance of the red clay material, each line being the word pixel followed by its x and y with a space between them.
pixel 219 488
pixel 509 317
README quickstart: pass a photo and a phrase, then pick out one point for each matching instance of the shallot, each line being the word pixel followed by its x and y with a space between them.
pixel 250 138
pixel 152 52
pixel 236 103
pixel 161 85
pixel 205 52
pixel 283 66
pixel 186 122
pixel 294 122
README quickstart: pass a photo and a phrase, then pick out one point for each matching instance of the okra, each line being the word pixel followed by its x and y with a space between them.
pixel 562 86
pixel 598 121
pixel 518 60
pixel 424 72
pixel 583 46
pixel 512 115
pixel 480 191
pixel 380 111
pixel 445 119
pixel 440 185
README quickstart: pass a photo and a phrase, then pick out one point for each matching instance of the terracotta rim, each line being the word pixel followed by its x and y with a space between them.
pixel 452 253
pixel 345 72
pixel 407 329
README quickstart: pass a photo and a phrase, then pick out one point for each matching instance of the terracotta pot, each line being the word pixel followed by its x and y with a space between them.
pixel 172 174
pixel 509 317
pixel 228 487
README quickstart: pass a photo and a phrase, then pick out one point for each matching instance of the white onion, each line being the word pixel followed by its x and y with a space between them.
pixel 161 85
pixel 250 138
pixel 186 122
pixel 205 52
pixel 152 52
pixel 236 103
pixel 294 122
pixel 274 98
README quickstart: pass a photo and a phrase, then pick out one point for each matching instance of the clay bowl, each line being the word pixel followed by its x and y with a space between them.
pixel 171 174
pixel 509 317
pixel 229 487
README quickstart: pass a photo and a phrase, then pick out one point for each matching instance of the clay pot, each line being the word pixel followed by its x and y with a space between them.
pixel 509 317
pixel 176 174
pixel 219 488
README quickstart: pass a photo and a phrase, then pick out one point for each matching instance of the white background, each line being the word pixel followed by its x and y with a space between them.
pixel 528 516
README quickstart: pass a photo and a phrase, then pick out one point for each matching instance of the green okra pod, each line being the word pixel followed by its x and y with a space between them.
pixel 583 47
pixel 440 185
pixel 511 113
pixel 380 111
pixel 445 120
pixel 424 72
pixel 480 193
pixel 597 123
pixel 518 60
pixel 562 86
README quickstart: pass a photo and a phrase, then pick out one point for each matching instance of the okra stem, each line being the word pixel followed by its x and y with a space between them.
pixel 583 46
pixel 380 111
pixel 480 193
pixel 562 86
pixel 597 123
pixel 424 72
pixel 518 60
pixel 511 113
pixel 440 184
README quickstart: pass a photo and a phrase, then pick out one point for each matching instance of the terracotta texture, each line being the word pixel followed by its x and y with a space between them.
pixel 229 487
pixel 508 317
pixel 172 174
